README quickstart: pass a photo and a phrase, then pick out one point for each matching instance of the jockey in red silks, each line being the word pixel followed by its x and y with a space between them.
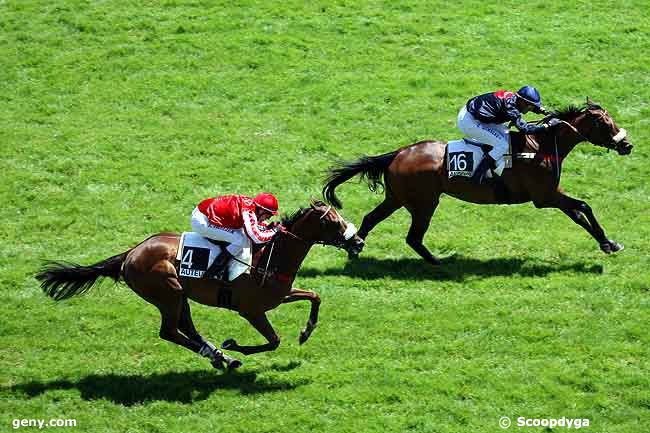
pixel 237 220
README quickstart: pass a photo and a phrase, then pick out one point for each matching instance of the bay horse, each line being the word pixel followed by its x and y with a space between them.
pixel 415 176
pixel 150 269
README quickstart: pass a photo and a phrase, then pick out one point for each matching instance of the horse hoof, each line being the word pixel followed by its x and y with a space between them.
pixel 611 247
pixel 234 364
pixel 229 344
pixel 303 337
pixel 615 246
pixel 218 364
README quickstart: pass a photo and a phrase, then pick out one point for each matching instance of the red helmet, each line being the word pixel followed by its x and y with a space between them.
pixel 267 201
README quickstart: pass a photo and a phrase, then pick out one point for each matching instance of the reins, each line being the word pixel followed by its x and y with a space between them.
pixel 268 262
pixel 257 269
pixel 622 133
pixel 531 155
pixel 557 160
pixel 265 271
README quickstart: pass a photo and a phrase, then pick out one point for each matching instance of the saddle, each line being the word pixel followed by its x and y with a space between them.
pixel 196 254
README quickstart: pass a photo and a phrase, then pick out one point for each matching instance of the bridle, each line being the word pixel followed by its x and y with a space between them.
pixel 341 240
pixel 614 142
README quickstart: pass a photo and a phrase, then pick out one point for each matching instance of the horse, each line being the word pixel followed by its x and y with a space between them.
pixel 415 176
pixel 150 269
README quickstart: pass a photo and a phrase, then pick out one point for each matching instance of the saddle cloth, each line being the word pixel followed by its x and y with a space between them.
pixel 463 158
pixel 196 254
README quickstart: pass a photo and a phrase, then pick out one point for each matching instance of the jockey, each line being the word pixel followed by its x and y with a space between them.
pixel 484 119
pixel 235 219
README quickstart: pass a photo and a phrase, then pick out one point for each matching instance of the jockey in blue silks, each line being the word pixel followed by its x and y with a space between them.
pixel 484 118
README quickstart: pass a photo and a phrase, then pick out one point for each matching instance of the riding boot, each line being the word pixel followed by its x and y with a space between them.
pixel 498 170
pixel 481 171
pixel 219 267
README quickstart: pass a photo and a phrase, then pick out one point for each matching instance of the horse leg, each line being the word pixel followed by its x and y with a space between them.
pixel 170 312
pixel 420 218
pixel 305 295
pixel 171 303
pixel 580 212
pixel 263 326
pixel 208 350
pixel 608 246
pixel 579 218
pixel 377 215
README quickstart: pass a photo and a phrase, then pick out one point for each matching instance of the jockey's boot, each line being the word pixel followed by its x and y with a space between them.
pixel 219 267
pixel 498 169
pixel 480 174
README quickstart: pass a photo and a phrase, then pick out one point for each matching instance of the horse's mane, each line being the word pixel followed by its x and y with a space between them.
pixel 573 111
pixel 290 220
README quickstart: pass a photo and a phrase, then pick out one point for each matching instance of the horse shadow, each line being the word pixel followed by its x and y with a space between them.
pixel 452 268
pixel 178 387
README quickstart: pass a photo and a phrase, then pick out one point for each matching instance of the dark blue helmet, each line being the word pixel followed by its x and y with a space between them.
pixel 531 95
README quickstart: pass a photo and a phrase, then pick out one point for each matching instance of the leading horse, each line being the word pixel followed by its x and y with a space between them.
pixel 416 176
pixel 150 270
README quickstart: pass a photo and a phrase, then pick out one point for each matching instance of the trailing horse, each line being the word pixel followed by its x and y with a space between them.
pixel 151 270
pixel 415 176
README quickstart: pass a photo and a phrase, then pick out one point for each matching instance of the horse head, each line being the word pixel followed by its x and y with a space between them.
pixel 321 223
pixel 596 125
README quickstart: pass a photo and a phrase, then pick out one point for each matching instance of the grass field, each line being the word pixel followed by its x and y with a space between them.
pixel 118 117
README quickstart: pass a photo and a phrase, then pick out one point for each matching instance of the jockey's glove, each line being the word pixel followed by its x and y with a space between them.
pixel 553 122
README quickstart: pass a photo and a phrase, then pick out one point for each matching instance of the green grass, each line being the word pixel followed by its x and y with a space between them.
pixel 118 117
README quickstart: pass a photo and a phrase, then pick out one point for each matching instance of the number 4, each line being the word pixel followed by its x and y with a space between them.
pixel 187 258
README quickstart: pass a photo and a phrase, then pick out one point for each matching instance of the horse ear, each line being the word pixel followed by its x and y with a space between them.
pixel 592 105
pixel 314 202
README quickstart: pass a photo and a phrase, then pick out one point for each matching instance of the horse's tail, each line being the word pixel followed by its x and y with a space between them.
pixel 63 280
pixel 371 169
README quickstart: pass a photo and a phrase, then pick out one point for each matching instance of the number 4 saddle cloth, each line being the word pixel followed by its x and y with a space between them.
pixel 464 156
pixel 196 254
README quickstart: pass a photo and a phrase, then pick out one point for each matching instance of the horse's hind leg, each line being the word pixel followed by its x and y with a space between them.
pixel 377 215
pixel 420 219
pixel 171 312
pixel 209 350
pixel 165 293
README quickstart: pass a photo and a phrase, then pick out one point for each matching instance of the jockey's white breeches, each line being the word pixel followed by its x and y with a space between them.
pixel 494 134
pixel 235 237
